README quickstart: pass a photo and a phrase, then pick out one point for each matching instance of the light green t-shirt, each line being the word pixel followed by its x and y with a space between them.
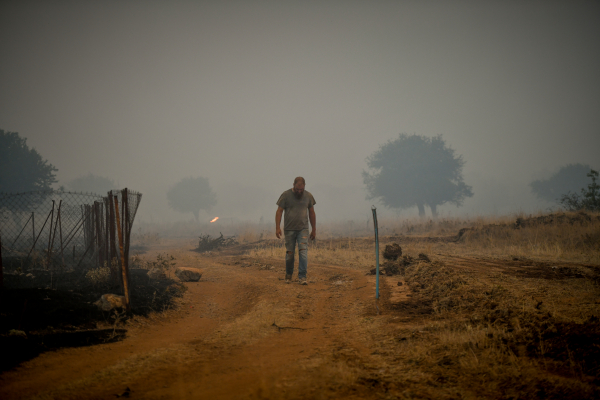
pixel 295 217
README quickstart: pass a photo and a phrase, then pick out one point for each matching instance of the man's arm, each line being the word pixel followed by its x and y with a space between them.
pixel 278 215
pixel 313 222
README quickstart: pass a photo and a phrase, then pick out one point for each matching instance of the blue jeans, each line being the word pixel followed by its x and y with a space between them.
pixel 291 237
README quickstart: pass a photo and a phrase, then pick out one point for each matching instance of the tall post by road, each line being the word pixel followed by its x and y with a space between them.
pixel 123 264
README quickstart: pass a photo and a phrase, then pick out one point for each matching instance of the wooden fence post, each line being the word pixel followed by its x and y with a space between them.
pixel 123 264
pixel 112 237
pixel 127 228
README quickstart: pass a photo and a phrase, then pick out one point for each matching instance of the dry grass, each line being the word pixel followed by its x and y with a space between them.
pixel 499 336
pixel 477 333
pixel 562 236
pixel 574 237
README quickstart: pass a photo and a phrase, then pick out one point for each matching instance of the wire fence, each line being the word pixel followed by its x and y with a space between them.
pixel 64 231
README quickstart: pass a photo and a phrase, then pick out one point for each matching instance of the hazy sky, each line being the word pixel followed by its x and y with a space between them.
pixel 251 94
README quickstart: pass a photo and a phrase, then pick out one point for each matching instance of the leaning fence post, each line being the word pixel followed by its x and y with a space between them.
pixel 123 265
pixel 62 256
pixel 112 239
pixel 38 236
pixel 33 225
pixel 50 235
pixel 53 234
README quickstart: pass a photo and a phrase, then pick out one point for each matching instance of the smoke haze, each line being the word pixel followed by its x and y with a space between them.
pixel 251 94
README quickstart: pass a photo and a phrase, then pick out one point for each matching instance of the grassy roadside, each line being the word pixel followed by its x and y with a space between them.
pixel 529 330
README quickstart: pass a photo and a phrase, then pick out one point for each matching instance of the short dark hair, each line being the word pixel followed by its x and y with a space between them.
pixel 298 179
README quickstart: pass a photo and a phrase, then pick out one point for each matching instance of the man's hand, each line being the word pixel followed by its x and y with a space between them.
pixel 278 215
pixel 313 222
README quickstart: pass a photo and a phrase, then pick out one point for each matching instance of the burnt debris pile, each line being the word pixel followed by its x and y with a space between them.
pixel 206 243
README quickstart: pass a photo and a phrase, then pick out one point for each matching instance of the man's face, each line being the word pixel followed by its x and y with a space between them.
pixel 298 190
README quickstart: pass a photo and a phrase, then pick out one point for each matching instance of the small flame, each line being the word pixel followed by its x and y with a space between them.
pixel 216 218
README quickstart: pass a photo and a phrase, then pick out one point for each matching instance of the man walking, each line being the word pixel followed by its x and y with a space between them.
pixel 299 208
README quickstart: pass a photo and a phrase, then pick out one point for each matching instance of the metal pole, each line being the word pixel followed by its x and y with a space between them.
pixel 51 247
pixel 62 257
pixel 50 235
pixel 24 226
pixel 376 253
pixel 38 236
pixel 71 235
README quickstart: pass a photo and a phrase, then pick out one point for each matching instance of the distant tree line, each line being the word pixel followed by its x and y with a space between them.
pixel 411 170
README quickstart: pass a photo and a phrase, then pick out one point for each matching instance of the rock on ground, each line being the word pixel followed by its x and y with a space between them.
pixel 110 301
pixel 188 275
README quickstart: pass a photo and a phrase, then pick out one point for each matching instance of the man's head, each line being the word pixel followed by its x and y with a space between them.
pixel 298 188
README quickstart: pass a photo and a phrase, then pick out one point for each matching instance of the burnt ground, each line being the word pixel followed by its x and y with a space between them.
pixel 48 319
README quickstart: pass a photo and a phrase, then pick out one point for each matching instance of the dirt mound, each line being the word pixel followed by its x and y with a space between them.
pixel 392 251
pixel 388 268
pixel 392 269
pixel 407 260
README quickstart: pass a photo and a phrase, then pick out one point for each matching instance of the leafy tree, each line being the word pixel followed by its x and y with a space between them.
pixel 588 199
pixel 22 169
pixel 570 178
pixel 415 170
pixel 191 195
pixel 92 183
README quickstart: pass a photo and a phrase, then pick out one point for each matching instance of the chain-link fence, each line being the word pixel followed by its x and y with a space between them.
pixel 64 231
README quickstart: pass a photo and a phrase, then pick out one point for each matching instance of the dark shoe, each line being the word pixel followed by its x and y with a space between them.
pixel 288 278
pixel 303 281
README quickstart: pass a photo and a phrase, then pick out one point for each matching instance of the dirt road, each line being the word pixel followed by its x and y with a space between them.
pixel 241 332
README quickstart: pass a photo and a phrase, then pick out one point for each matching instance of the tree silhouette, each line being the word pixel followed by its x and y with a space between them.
pixel 92 183
pixel 588 199
pixel 22 169
pixel 191 195
pixel 570 178
pixel 415 170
